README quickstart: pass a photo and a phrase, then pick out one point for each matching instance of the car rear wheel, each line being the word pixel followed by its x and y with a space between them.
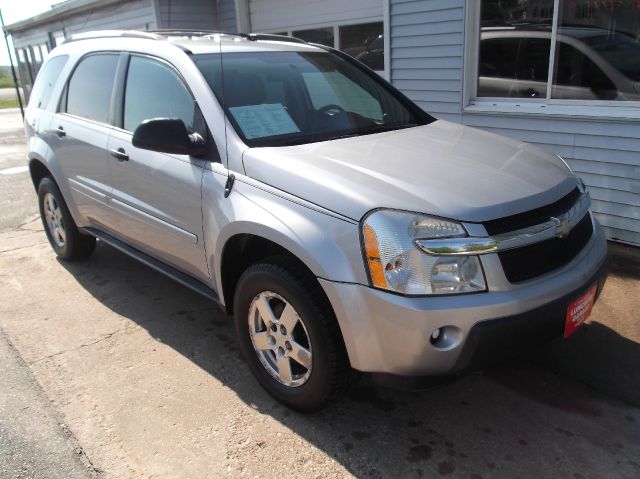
pixel 289 336
pixel 63 234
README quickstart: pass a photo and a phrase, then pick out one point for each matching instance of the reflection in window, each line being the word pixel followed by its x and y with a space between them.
pixel 598 51
pixel 365 43
pixel 323 36
pixel 515 43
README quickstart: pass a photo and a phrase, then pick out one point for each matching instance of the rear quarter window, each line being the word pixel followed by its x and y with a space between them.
pixel 46 80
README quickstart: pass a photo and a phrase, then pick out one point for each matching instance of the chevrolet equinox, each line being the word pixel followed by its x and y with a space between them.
pixel 343 227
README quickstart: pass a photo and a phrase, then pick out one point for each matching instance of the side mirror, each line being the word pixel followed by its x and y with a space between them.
pixel 168 135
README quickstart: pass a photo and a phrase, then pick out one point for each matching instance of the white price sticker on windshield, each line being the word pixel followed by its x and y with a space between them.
pixel 259 121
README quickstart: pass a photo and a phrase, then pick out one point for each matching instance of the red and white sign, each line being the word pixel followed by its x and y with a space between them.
pixel 579 311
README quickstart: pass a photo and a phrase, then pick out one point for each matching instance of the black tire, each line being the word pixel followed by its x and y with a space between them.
pixel 75 245
pixel 330 374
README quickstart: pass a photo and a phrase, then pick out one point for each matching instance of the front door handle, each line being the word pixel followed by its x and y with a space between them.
pixel 120 154
pixel 60 132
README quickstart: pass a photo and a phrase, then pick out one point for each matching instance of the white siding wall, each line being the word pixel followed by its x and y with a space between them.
pixel 198 14
pixel 227 15
pixel 427 50
pixel 276 15
pixel 133 14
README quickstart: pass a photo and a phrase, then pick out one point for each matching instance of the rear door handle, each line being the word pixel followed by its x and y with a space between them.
pixel 60 132
pixel 120 154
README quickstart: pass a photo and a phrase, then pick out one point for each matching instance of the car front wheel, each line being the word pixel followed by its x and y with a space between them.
pixel 289 336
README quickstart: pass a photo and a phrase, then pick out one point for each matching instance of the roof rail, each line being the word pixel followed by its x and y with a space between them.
pixel 272 36
pixel 163 34
pixel 113 34
pixel 188 32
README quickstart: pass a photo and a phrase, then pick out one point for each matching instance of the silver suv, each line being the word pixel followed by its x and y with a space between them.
pixel 343 227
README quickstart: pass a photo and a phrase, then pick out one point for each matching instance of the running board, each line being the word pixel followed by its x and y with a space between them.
pixel 174 274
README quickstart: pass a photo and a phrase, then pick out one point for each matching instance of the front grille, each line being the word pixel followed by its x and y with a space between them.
pixel 532 217
pixel 524 263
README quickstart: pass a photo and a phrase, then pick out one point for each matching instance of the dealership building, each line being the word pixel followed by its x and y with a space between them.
pixel 562 74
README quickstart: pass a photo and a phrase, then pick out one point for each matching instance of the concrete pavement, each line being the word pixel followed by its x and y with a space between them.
pixel 147 377
pixel 18 204
pixel 33 443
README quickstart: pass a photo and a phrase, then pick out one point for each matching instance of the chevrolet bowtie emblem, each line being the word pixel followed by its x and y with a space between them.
pixel 563 226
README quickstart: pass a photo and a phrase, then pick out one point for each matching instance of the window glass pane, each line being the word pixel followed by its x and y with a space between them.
pixel 323 36
pixel 515 44
pixel 89 93
pixel 45 81
pixel 154 90
pixel 332 88
pixel 598 51
pixel 365 43
pixel 283 98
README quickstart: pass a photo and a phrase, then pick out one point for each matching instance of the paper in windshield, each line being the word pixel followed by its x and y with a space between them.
pixel 259 121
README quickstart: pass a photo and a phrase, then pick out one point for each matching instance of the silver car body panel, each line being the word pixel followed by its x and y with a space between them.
pixel 436 169
pixel 158 203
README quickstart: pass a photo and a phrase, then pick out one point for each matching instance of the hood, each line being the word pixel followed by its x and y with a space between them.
pixel 443 169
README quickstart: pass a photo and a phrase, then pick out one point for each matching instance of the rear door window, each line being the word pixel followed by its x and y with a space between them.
pixel 91 85
pixel 46 80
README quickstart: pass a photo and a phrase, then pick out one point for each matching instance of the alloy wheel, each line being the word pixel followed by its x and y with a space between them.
pixel 280 339
pixel 53 217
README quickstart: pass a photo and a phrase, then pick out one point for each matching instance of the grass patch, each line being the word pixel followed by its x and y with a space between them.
pixel 7 84
pixel 10 103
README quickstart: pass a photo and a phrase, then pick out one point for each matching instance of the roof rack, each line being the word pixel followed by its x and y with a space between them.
pixel 188 32
pixel 272 36
pixel 163 34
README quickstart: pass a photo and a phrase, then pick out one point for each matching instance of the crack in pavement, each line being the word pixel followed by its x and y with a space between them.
pixel 22 247
pixel 92 343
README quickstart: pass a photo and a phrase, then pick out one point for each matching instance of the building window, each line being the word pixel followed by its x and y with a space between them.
pixel 592 53
pixel 365 43
pixel 323 36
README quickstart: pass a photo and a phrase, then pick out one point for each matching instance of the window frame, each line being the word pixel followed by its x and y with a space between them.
pixel 543 105
pixel 386 73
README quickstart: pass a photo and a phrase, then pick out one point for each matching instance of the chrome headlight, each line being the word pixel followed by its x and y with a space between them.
pixel 396 264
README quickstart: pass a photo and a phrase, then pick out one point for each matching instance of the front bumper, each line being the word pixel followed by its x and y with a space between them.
pixel 389 333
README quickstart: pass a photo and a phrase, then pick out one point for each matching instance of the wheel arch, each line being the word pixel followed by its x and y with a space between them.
pixel 240 251
pixel 38 169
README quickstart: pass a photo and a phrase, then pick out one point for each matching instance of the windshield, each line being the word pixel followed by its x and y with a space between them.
pixel 287 98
